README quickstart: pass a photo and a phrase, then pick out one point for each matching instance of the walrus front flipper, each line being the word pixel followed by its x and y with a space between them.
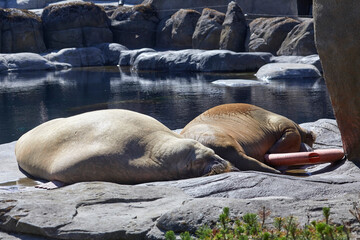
pixel 51 185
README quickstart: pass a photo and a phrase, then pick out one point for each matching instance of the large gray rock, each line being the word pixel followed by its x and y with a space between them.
pixel 339 50
pixel 27 62
pixel 20 31
pixel 129 213
pixel 287 71
pixel 310 59
pixel 128 57
pixel 300 41
pixel 78 57
pixel 135 27
pixel 76 24
pixel 234 29
pixel 201 61
pixel 327 133
pixel 208 30
pixel 267 34
pixel 111 52
pixel 177 31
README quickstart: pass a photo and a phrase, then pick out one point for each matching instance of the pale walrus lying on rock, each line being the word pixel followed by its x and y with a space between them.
pixel 112 145
pixel 244 133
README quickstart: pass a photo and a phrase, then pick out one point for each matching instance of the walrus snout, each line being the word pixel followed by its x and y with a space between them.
pixel 220 165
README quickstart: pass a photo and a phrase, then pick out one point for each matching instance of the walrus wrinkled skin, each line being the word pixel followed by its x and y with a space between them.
pixel 243 134
pixel 115 146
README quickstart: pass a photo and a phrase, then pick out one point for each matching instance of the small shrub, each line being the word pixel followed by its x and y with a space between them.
pixel 251 227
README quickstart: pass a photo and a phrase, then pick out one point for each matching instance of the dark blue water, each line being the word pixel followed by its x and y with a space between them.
pixel 30 98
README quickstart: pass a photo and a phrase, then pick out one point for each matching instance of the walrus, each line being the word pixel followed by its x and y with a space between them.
pixel 117 145
pixel 243 134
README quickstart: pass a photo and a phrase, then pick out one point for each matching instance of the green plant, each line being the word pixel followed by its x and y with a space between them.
pixel 326 213
pixel 170 235
pixel 252 227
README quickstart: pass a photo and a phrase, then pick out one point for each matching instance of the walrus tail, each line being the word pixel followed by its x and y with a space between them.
pixel 310 137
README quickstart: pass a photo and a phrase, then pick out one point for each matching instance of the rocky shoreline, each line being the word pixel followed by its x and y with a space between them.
pixel 81 34
pixel 99 210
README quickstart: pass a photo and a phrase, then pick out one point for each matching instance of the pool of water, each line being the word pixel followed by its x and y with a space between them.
pixel 30 98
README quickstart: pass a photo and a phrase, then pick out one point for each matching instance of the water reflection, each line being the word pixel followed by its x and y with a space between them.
pixel 30 98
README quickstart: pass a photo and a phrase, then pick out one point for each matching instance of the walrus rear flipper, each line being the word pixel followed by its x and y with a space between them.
pixel 249 163
pixel 290 141
pixel 51 185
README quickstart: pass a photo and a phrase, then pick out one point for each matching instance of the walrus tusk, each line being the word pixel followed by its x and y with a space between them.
pixel 304 158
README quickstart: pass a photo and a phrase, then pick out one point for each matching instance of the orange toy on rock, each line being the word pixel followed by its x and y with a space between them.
pixel 304 158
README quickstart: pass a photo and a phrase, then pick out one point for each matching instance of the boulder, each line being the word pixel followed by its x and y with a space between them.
pixel 135 27
pixel 163 34
pixel 166 8
pixel 267 34
pixel 208 29
pixel 287 71
pixel 20 31
pixel 339 50
pixel 177 31
pixel 111 52
pixel 78 57
pixel 311 59
pixel 234 29
pixel 27 62
pixel 327 133
pixel 201 61
pixel 128 57
pixel 75 24
pixel 300 41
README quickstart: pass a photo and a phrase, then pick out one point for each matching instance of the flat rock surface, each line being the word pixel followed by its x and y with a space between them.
pixel 99 210
pixel 200 61
pixel 287 71
pixel 238 82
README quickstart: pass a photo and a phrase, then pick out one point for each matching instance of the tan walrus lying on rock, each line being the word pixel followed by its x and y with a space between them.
pixel 244 133
pixel 115 146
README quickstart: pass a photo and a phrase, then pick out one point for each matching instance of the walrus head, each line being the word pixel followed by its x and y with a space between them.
pixel 206 162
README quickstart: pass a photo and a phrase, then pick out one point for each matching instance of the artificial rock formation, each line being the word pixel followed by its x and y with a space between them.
pixel 135 27
pixel 76 24
pixel 20 31
pixel 176 32
pixel 208 29
pixel 166 8
pixel 339 50
pixel 300 41
pixel 267 34
pixel 234 29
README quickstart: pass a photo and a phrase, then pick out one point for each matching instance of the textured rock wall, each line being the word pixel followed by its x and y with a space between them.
pixel 20 31
pixel 337 39
pixel 75 25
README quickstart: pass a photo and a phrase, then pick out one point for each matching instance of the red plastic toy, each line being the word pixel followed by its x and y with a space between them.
pixel 304 158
